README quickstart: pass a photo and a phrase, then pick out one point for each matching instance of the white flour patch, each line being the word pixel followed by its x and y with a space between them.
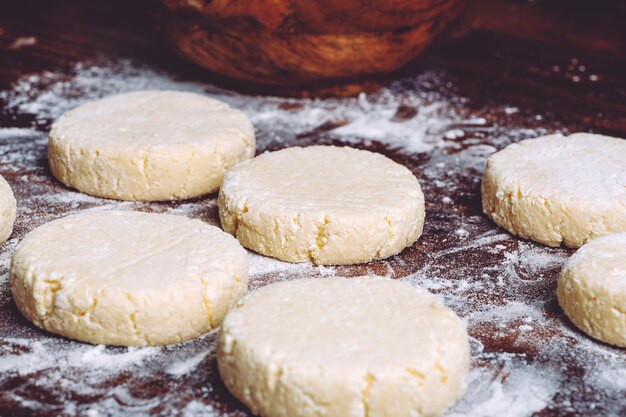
pixel 16 132
pixel 50 353
pixel 263 265
pixel 613 380
pixel 99 357
pixel 484 240
pixel 198 409
pixel 514 391
pixel 265 270
pixel 188 365
pixel 511 311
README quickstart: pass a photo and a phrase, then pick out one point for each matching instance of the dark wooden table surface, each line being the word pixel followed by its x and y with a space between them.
pixel 509 70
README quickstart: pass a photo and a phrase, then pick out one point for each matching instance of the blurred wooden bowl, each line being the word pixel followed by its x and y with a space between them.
pixel 296 42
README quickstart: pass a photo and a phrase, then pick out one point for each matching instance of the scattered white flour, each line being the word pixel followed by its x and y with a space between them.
pixel 506 313
pixel 530 262
pixel 199 409
pixel 99 357
pixel 16 132
pixel 514 390
pixel 263 265
pixel 36 356
pixel 189 365
pixel 483 240
pixel 352 120
pixel 508 305
pixel 612 379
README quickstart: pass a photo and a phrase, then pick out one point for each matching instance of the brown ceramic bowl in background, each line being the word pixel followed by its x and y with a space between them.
pixel 296 42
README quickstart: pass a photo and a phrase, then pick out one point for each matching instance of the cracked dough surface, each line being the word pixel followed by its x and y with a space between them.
pixel 8 207
pixel 127 278
pixel 149 145
pixel 558 190
pixel 592 289
pixel 324 204
pixel 358 347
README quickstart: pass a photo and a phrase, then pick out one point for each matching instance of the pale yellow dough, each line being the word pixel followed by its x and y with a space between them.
pixel 592 289
pixel 558 190
pixel 324 204
pixel 149 145
pixel 127 278
pixel 8 207
pixel 343 347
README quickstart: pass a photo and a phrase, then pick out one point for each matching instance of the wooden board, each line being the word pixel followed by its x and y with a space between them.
pixel 488 85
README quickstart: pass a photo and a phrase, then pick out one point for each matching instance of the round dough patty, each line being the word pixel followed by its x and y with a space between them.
pixel 343 347
pixel 323 204
pixel 592 289
pixel 8 207
pixel 558 190
pixel 127 278
pixel 149 145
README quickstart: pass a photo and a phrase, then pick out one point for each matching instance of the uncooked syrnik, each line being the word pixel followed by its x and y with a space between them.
pixel 324 204
pixel 558 189
pixel 348 347
pixel 592 289
pixel 8 209
pixel 127 278
pixel 149 145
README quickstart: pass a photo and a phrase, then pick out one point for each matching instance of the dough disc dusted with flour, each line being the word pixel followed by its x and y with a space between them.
pixel 343 347
pixel 149 145
pixel 323 204
pixel 558 190
pixel 592 289
pixel 8 208
pixel 127 278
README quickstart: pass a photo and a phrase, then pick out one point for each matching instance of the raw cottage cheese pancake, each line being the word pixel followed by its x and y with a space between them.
pixel 333 347
pixel 558 189
pixel 592 289
pixel 8 208
pixel 149 145
pixel 324 204
pixel 127 278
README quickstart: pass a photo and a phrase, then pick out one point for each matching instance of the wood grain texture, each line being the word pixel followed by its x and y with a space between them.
pixel 296 42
